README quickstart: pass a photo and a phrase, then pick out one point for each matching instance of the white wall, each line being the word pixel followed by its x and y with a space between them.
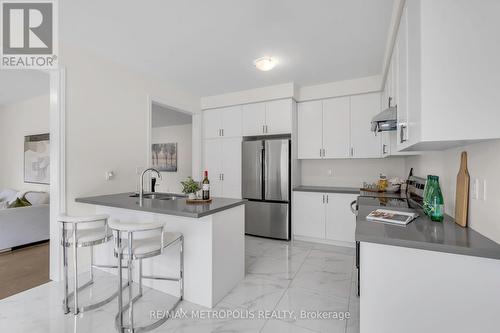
pixel 16 121
pixel 350 173
pixel 484 164
pixel 107 128
pixel 182 134
pixel 107 124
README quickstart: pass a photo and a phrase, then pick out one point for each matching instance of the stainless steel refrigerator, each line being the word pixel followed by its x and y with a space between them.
pixel 266 185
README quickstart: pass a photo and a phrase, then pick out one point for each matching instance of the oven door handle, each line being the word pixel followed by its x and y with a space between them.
pixel 354 210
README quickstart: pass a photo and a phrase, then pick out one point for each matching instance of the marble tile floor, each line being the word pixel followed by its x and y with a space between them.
pixel 282 278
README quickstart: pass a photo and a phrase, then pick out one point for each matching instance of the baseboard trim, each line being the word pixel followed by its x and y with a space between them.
pixel 324 241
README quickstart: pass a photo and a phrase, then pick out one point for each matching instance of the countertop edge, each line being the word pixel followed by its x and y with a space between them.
pixel 327 189
pixel 431 247
pixel 88 200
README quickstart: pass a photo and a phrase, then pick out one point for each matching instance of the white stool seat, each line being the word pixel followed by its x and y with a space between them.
pixel 89 235
pixel 131 226
pixel 150 245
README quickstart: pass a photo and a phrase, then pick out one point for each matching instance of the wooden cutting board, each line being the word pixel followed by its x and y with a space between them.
pixel 462 195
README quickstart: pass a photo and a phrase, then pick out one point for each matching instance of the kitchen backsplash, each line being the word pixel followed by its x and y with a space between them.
pixel 350 173
pixel 483 161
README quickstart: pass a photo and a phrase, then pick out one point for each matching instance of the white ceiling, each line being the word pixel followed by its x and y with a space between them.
pixel 162 116
pixel 207 47
pixel 19 85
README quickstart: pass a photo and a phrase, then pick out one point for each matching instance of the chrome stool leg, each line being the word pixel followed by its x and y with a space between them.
pixel 92 263
pixel 120 282
pixel 181 268
pixel 140 277
pixel 129 275
pixel 65 271
pixel 75 269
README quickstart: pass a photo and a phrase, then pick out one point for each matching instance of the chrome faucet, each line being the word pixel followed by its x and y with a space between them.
pixel 141 192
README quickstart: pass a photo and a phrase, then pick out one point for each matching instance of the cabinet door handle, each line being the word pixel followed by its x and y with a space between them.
pixel 267 131
pixel 323 198
pixel 384 149
pixel 324 152
pixel 352 151
pixel 222 132
pixel 222 175
pixel 263 129
pixel 327 198
pixel 320 151
pixel 402 133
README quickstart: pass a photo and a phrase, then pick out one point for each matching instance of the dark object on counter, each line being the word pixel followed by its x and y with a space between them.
pixel 153 184
pixel 462 194
pixel 408 181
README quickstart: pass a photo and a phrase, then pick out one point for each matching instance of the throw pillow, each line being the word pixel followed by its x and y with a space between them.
pixel 20 202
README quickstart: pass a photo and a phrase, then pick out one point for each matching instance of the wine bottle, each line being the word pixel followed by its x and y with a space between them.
pixel 205 187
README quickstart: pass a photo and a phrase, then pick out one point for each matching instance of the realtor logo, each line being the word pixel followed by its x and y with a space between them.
pixel 28 34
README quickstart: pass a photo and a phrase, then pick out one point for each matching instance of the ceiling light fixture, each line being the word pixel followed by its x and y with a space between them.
pixel 265 63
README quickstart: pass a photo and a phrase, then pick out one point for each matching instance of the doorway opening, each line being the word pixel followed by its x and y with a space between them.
pixel 170 146
pixel 25 190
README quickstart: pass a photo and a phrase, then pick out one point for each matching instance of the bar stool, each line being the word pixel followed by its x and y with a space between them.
pixel 152 242
pixel 86 231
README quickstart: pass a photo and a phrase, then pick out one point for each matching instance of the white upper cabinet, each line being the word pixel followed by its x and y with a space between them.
pixel 223 163
pixel 253 119
pixel 445 74
pixel 364 142
pixel 212 123
pixel 267 118
pixel 279 116
pixel 336 128
pixel 223 122
pixel 310 130
pixel 401 53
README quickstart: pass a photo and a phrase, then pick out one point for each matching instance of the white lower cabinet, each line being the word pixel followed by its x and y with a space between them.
pixel 223 163
pixel 309 214
pixel 323 216
pixel 340 221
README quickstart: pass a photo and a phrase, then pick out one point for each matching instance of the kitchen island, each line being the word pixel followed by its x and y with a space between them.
pixel 214 244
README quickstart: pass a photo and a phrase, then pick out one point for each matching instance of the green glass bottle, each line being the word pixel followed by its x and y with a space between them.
pixel 436 201
pixel 426 199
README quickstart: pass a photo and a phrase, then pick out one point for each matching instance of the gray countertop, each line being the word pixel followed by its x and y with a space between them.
pixel 327 189
pixel 425 234
pixel 345 190
pixel 177 207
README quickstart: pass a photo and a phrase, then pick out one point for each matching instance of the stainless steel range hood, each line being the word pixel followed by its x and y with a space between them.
pixel 385 120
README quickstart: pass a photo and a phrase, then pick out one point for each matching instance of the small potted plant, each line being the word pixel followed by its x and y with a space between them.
pixel 190 187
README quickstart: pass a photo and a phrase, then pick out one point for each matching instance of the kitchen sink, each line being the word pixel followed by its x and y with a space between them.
pixel 159 196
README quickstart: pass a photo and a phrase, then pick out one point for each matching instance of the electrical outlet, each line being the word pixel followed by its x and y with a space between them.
pixel 109 175
pixel 475 189
pixel 482 192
